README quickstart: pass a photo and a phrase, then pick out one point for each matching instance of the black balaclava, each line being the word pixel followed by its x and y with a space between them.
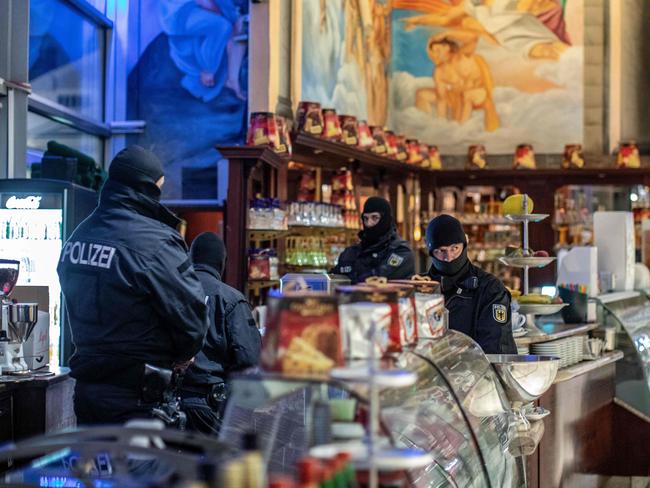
pixel 137 168
pixel 208 248
pixel 446 230
pixel 372 235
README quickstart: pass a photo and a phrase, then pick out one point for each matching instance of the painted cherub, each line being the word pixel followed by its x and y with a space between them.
pixel 463 82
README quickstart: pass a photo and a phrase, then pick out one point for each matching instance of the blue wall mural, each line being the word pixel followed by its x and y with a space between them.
pixel 188 81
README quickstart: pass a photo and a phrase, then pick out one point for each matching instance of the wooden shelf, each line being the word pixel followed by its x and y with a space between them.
pixel 560 177
pixel 315 151
pixel 265 234
pixel 310 230
pixel 261 284
pixel 254 153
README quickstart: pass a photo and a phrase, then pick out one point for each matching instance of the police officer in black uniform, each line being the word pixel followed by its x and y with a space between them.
pixel 131 293
pixel 381 252
pixel 478 303
pixel 232 344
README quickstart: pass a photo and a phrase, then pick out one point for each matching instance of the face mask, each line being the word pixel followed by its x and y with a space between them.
pixel 372 235
pixel 450 268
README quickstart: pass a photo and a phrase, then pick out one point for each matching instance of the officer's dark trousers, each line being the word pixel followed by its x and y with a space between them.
pixel 200 416
pixel 96 403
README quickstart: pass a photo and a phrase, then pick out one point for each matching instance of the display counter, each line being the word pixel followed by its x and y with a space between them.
pixel 457 410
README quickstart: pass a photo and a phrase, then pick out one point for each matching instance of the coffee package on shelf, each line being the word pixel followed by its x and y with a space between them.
pixel 357 321
pixel 429 307
pixel 302 335
pixel 524 157
pixel 372 294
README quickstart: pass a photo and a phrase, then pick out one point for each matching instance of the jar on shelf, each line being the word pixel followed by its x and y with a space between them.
pixel 349 129
pixel 380 139
pixel 310 118
pixel 263 130
pixel 365 134
pixel 262 264
pixel 524 157
pixel 331 126
pixel 628 155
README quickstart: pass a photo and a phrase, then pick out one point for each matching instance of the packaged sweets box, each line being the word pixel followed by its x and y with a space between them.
pixel 302 334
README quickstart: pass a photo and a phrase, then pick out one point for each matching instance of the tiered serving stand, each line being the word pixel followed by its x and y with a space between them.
pixel 526 262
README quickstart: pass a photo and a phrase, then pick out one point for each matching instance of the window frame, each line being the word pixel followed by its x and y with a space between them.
pixel 61 114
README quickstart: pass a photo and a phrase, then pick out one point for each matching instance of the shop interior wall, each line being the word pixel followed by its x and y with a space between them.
pixel 616 74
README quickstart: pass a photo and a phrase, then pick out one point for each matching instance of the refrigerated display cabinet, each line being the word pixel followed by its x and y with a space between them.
pixel 36 218
pixel 456 410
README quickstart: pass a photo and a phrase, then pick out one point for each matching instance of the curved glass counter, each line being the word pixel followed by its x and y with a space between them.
pixel 456 410
pixel 631 317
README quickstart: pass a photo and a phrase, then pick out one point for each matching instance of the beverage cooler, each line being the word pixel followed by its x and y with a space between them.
pixel 36 217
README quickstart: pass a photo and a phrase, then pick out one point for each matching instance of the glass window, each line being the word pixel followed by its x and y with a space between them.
pixel 40 130
pixel 66 57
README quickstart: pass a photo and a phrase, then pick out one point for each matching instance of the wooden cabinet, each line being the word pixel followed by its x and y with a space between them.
pixel 36 407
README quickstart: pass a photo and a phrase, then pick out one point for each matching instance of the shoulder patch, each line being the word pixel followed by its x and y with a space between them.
pixel 500 313
pixel 395 260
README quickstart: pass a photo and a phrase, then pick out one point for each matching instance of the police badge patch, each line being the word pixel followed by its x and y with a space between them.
pixel 395 260
pixel 500 313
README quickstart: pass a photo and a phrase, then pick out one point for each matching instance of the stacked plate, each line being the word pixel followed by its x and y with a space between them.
pixel 569 350
pixel 520 332
pixel 523 350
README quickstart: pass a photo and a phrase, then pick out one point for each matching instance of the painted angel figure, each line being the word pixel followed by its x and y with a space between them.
pixel 201 44
pixel 534 28
pixel 462 80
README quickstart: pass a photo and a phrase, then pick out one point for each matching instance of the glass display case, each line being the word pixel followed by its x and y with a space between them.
pixel 629 316
pixel 457 411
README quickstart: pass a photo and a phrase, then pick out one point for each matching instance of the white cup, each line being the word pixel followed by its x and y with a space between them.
pixel 518 320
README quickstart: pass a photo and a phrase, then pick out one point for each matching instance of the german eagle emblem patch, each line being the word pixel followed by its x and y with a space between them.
pixel 500 313
pixel 395 260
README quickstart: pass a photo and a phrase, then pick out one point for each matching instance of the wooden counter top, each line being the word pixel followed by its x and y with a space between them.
pixel 583 367
pixel 555 330
pixel 60 374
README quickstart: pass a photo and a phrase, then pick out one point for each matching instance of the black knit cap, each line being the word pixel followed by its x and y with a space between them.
pixel 377 204
pixel 444 230
pixel 137 168
pixel 208 248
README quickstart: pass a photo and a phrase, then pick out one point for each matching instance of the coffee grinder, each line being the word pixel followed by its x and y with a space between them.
pixel 18 321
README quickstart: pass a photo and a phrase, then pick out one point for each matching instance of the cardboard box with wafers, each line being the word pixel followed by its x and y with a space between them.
pixel 302 335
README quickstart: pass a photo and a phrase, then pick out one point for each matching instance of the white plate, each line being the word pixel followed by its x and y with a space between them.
pixel 541 309
pixel 526 261
pixel 519 332
pixel 526 217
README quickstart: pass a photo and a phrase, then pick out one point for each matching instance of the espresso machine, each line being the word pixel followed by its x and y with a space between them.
pixel 17 321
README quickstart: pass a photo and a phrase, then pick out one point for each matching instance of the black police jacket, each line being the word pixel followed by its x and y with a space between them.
pixel 131 293
pixel 233 342
pixel 391 257
pixel 479 306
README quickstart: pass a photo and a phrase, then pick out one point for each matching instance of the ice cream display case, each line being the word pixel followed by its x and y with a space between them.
pixel 456 411
pixel 626 326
